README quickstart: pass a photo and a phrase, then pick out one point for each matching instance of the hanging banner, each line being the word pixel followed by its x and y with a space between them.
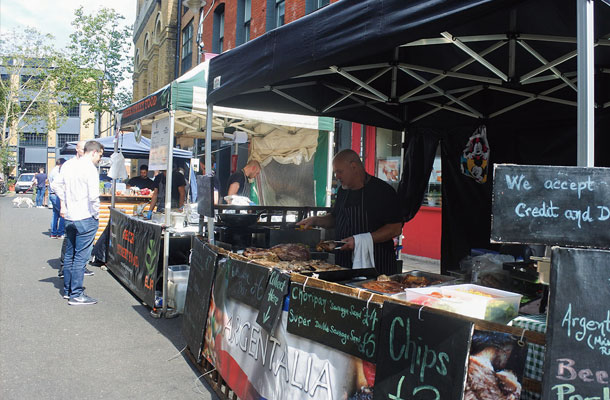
pixel 282 366
pixel 159 145
pixel 133 254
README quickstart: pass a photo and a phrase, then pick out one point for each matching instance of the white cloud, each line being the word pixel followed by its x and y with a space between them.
pixel 55 16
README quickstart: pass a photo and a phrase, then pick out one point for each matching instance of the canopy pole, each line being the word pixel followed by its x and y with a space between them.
pixel 586 76
pixel 116 149
pixel 208 161
pixel 168 207
pixel 329 167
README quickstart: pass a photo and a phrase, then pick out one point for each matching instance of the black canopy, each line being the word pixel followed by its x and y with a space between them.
pixel 437 69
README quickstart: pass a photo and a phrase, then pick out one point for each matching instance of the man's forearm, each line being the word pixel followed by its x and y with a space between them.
pixel 386 232
pixel 326 221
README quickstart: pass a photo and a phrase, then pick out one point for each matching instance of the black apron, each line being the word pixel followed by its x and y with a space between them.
pixel 245 190
pixel 351 220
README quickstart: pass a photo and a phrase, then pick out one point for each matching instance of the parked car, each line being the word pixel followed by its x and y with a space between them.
pixel 24 182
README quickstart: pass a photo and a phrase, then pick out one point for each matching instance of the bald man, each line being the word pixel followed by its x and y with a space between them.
pixel 364 204
pixel 239 182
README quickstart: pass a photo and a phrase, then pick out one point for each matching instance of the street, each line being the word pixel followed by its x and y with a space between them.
pixel 48 349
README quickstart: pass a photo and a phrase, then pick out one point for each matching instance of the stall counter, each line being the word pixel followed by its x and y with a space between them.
pixel 124 203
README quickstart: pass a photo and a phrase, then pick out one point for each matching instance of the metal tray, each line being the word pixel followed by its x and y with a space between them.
pixel 445 280
pixel 344 274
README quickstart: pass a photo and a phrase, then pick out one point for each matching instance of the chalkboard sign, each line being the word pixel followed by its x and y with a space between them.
pixel 247 282
pixel 205 195
pixel 199 289
pixel 422 355
pixel 577 360
pixel 342 322
pixel 551 205
pixel 273 300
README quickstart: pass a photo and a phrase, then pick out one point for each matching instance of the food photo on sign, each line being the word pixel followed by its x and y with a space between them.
pixel 388 169
pixel 495 366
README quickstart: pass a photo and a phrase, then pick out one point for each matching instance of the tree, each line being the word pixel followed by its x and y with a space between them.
pixel 28 92
pixel 100 55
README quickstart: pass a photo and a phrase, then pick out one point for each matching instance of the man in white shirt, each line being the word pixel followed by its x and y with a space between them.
pixel 77 187
pixel 57 222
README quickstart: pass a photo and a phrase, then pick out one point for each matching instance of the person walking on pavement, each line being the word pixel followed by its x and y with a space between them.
pixel 40 180
pixel 57 222
pixel 77 187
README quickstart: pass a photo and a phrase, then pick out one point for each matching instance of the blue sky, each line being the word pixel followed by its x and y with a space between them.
pixel 55 16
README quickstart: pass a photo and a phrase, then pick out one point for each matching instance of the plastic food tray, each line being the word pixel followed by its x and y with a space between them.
pixel 498 306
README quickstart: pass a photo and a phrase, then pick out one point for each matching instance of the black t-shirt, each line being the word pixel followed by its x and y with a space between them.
pixel 379 199
pixel 177 181
pixel 142 183
pixel 41 179
pixel 240 178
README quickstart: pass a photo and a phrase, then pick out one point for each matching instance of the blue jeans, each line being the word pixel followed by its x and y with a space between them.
pixel 58 222
pixel 79 243
pixel 40 191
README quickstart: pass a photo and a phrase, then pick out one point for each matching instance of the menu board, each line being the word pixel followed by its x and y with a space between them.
pixel 551 205
pixel 273 300
pixel 342 322
pixel 159 145
pixel 247 282
pixel 577 360
pixel 197 302
pixel 422 355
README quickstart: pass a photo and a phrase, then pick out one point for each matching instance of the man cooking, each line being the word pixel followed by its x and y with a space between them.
pixel 142 181
pixel 364 204
pixel 239 182
pixel 178 191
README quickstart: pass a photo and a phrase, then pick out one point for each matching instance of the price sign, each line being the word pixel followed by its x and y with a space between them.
pixel 273 300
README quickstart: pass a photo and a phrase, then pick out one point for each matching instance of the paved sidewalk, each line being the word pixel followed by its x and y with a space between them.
pixel 410 262
pixel 50 350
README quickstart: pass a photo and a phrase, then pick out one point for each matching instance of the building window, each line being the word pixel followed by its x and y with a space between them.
pixel 218 34
pixel 280 11
pixel 63 138
pixel 5 77
pixel 242 27
pixel 313 5
pixel 32 167
pixel 33 140
pixel 73 111
pixel 321 3
pixel 187 47
pixel 247 18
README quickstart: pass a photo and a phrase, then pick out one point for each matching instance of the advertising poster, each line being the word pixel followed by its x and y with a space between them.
pixel 159 145
pixel 257 365
pixel 388 169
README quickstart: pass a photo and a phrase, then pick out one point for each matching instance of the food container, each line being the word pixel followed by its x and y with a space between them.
pixel 177 219
pixel 433 297
pixel 399 292
pixel 178 273
pixel 484 303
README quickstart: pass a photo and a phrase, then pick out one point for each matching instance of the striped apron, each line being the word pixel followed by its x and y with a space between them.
pixel 353 220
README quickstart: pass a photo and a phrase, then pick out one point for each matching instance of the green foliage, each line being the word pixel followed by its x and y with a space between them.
pixel 28 94
pixel 7 160
pixel 100 55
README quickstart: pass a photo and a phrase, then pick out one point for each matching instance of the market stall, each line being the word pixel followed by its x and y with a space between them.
pixel 179 110
pixel 524 91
